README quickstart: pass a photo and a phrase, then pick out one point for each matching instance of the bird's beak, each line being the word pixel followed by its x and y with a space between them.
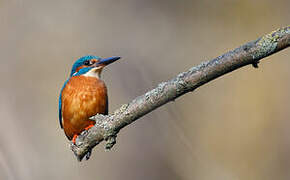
pixel 106 61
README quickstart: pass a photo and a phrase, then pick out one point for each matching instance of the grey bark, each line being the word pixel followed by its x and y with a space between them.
pixel 107 127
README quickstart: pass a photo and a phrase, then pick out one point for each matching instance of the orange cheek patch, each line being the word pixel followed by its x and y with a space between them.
pixel 94 60
pixel 77 70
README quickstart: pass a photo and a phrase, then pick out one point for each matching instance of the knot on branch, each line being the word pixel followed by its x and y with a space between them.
pixel 255 64
pixel 110 141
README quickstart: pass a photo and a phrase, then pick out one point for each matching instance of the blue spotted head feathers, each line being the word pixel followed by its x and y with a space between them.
pixel 82 62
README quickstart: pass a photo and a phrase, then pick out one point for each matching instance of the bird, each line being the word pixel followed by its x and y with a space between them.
pixel 83 95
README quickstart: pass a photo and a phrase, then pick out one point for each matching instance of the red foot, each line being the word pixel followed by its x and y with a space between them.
pixel 75 136
pixel 87 128
pixel 74 139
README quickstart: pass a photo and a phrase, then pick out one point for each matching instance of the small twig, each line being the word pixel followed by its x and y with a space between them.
pixel 107 127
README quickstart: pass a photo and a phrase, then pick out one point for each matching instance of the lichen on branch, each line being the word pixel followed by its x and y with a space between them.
pixel 107 127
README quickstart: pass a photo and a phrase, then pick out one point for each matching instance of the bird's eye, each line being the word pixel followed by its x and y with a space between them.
pixel 87 63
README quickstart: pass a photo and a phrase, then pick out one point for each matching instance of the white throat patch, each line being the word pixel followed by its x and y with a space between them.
pixel 94 72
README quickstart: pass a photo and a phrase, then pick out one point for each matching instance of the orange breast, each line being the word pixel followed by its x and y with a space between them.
pixel 82 97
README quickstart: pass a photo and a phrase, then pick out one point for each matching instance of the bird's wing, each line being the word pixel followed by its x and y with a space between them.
pixel 107 106
pixel 60 105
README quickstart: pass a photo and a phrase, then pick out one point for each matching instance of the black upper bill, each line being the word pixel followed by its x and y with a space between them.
pixel 109 60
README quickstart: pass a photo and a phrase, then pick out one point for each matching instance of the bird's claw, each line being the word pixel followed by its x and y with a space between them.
pixel 90 126
pixel 74 139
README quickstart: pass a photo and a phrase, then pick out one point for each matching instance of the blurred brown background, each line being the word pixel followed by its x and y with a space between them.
pixel 236 127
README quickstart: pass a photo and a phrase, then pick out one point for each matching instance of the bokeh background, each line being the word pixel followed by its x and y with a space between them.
pixel 236 127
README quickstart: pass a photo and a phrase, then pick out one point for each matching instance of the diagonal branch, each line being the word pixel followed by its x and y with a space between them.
pixel 107 127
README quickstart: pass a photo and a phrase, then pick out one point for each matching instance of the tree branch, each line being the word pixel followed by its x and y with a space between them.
pixel 107 127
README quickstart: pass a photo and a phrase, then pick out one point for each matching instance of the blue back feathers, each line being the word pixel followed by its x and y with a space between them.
pixel 59 104
pixel 77 64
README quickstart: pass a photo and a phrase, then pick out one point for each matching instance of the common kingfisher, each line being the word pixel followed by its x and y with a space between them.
pixel 83 95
